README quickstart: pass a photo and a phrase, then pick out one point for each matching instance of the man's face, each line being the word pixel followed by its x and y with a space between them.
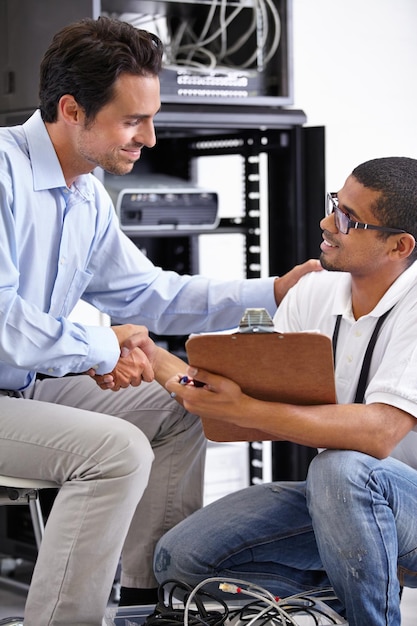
pixel 114 139
pixel 360 252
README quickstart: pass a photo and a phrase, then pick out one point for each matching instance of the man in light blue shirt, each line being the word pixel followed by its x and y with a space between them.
pixel 60 242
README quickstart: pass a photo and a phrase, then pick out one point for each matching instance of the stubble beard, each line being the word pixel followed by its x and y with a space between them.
pixel 327 266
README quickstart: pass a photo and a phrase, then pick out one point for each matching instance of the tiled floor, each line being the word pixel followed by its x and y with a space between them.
pixel 12 603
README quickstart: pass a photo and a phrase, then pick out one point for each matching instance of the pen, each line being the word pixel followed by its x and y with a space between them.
pixel 185 380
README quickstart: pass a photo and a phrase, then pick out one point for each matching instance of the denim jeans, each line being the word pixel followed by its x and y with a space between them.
pixel 352 524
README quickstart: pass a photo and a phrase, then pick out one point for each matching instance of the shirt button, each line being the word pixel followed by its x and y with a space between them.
pixel 50 370
pixel 358 333
pixel 349 358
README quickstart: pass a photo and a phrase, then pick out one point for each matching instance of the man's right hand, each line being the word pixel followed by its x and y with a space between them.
pixel 137 355
pixel 130 370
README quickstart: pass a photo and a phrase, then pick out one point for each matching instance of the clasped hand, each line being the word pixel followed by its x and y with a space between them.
pixel 136 361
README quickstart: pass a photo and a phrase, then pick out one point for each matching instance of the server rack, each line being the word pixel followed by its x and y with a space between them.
pixel 282 159
pixel 282 169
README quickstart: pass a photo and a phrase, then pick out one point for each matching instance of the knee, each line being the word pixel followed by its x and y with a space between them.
pixel 124 451
pixel 165 559
pixel 177 553
pixel 136 450
pixel 334 477
pixel 332 465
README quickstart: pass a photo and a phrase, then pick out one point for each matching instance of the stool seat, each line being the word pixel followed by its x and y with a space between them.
pixel 25 491
pixel 26 483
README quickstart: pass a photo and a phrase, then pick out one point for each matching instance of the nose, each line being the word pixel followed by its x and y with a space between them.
pixel 146 135
pixel 328 223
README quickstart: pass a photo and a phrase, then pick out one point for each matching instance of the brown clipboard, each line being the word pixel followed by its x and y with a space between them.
pixel 295 368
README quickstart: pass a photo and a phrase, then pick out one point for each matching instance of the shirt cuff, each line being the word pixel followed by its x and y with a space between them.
pixel 104 349
pixel 259 290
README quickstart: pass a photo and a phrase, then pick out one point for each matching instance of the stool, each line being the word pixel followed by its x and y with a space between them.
pixel 26 491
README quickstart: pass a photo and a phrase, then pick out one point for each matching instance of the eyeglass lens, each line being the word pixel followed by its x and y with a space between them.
pixel 340 218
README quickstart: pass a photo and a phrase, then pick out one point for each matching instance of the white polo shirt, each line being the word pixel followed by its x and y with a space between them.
pixel 314 304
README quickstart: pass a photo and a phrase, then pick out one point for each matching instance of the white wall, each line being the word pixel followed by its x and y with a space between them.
pixel 355 70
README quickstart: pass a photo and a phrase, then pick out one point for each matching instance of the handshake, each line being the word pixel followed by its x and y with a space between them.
pixel 137 361
pixel 140 360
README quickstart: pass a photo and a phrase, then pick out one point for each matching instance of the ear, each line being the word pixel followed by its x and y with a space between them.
pixel 69 110
pixel 405 245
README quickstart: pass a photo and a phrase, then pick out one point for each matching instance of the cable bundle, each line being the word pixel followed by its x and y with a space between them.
pixel 201 608
pixel 211 45
pixel 167 613
pixel 218 39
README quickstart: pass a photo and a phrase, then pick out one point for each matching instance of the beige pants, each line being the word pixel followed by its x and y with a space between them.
pixel 103 464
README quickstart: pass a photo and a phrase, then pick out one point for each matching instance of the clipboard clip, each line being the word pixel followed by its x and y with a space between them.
pixel 256 321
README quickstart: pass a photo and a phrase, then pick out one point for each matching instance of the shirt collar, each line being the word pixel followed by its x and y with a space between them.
pixel 46 168
pixel 47 171
pixel 343 299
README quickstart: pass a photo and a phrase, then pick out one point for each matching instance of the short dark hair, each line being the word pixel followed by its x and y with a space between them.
pixel 396 179
pixel 86 58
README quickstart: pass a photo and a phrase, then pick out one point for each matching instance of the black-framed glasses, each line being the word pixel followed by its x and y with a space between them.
pixel 344 223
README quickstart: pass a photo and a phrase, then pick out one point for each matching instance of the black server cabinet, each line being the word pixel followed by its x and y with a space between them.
pixel 295 175
pixel 238 54
pixel 296 190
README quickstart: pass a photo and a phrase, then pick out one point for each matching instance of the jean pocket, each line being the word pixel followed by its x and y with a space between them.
pixel 407 569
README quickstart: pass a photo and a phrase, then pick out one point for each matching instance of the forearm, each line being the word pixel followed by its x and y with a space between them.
pixel 374 429
pixel 166 365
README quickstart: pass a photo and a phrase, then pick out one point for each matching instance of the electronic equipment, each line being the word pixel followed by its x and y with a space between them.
pixel 218 51
pixel 161 202
pixel 220 83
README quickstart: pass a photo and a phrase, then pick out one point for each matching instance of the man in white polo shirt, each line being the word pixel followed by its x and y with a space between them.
pixel 352 523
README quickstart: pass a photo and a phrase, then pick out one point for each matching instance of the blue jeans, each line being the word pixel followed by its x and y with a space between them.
pixel 352 525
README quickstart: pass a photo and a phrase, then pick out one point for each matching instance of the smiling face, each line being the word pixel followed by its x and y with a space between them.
pixel 374 260
pixel 360 252
pixel 116 136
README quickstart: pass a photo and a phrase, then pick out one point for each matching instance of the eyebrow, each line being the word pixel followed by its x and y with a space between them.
pixel 140 115
pixel 351 212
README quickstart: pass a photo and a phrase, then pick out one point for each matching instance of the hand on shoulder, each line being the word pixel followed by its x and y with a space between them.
pixel 283 283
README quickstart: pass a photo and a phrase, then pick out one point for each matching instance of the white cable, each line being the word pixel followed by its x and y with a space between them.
pixel 216 33
pixel 231 583
pixel 264 12
pixel 302 602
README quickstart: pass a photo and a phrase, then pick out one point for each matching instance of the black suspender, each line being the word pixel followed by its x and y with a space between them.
pixel 363 378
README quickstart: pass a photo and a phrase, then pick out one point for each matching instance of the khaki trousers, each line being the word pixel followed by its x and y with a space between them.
pixel 117 495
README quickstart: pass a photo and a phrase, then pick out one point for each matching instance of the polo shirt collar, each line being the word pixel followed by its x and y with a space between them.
pixel 343 296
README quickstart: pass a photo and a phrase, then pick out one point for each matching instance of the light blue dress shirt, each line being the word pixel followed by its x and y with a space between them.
pixel 60 244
